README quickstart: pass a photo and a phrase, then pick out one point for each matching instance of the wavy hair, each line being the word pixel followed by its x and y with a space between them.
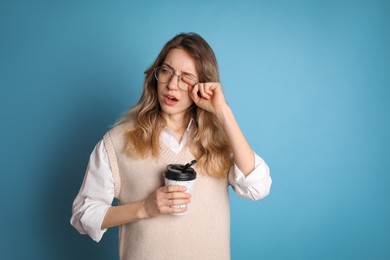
pixel 208 141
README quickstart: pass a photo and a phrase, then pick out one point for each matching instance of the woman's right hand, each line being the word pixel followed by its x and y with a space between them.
pixel 160 201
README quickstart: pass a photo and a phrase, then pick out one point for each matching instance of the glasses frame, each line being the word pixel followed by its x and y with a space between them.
pixel 156 71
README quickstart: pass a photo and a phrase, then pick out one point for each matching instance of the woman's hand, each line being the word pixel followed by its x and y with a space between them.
pixel 208 96
pixel 160 201
pixel 157 203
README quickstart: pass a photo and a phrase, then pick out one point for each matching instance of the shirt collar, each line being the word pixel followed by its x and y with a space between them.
pixel 189 126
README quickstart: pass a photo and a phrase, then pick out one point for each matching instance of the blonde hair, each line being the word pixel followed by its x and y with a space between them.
pixel 208 141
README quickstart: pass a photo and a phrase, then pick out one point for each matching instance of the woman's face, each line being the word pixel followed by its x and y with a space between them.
pixel 173 100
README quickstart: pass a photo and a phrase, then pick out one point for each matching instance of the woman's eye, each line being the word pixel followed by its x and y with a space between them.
pixel 166 70
pixel 189 79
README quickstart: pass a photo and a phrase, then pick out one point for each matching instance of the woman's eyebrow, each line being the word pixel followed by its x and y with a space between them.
pixel 166 64
pixel 183 72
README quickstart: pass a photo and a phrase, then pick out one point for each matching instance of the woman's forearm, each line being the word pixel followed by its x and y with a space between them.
pixel 242 152
pixel 119 215
pixel 157 203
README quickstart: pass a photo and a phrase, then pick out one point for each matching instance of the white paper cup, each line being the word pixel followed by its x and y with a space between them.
pixel 182 175
pixel 188 185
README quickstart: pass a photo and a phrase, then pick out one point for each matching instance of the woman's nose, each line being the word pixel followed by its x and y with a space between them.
pixel 173 83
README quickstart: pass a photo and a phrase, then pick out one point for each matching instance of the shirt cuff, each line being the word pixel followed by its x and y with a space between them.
pixel 92 220
pixel 254 186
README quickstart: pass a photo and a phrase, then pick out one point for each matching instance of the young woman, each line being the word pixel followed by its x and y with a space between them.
pixel 182 115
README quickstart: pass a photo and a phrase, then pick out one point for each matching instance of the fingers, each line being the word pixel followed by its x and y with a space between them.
pixel 173 188
pixel 177 202
pixel 170 210
pixel 193 91
pixel 172 199
pixel 174 192
pixel 204 90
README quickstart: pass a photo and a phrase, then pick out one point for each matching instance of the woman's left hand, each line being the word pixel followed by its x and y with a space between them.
pixel 208 96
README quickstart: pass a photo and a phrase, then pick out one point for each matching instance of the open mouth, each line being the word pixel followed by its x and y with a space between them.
pixel 171 98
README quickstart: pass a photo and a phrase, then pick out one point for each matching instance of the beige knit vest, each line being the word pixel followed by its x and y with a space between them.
pixel 203 233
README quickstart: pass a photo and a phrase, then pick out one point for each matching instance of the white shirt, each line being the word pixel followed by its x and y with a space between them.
pixel 97 190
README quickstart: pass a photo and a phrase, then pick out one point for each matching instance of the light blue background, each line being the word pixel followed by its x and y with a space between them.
pixel 308 82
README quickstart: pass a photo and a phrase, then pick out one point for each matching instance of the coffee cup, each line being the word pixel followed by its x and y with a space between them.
pixel 182 175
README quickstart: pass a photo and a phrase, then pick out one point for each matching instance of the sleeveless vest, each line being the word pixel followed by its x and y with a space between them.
pixel 203 233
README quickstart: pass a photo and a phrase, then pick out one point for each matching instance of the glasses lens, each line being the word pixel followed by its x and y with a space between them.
pixel 163 74
pixel 186 81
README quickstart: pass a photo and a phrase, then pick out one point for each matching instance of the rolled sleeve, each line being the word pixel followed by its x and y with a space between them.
pixel 256 185
pixel 95 196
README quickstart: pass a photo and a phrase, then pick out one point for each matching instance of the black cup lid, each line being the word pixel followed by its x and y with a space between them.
pixel 180 172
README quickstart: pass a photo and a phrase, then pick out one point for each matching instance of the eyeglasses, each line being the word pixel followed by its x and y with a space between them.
pixel 165 74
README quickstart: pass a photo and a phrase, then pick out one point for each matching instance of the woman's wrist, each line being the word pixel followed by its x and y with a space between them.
pixel 141 210
pixel 223 114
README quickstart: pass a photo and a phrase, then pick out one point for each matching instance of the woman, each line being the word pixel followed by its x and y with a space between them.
pixel 182 115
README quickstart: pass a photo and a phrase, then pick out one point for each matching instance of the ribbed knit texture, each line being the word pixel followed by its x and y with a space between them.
pixel 113 163
pixel 203 233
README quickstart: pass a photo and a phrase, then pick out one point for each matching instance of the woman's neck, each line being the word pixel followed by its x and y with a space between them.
pixel 177 125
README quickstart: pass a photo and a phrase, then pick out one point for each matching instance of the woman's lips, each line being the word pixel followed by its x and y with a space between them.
pixel 170 100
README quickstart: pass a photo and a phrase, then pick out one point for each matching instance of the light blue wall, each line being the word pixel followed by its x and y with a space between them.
pixel 308 82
